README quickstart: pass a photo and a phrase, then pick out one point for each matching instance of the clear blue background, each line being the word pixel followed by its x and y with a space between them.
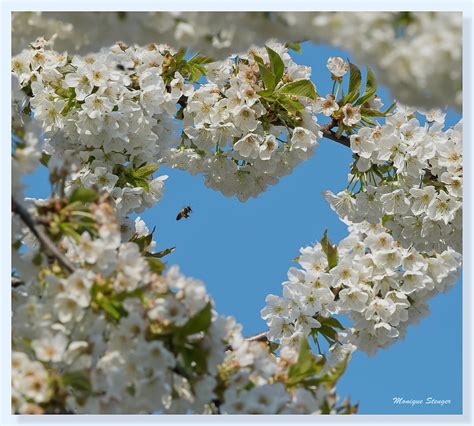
pixel 242 252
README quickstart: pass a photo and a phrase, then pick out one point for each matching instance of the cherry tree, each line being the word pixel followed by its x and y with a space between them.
pixel 101 324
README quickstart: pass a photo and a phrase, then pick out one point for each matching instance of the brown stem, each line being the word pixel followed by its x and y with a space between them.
pixel 41 235
pixel 329 134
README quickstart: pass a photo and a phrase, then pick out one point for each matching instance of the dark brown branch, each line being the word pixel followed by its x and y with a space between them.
pixel 329 134
pixel 42 237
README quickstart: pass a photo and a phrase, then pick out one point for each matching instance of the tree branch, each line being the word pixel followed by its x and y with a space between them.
pixel 41 235
pixel 329 134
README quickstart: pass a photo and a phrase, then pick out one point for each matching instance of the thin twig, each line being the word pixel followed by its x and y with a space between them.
pixel 329 134
pixel 42 237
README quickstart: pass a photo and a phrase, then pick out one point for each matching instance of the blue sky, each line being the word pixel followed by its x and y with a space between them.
pixel 242 252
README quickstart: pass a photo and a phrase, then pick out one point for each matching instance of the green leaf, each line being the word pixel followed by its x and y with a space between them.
pixel 77 380
pixel 195 72
pixel 162 253
pixel 276 63
pixel 386 218
pixel 143 241
pixel 335 373
pixel 369 121
pixel 370 88
pixel 306 366
pixel 180 55
pixel 155 264
pixel 145 170
pixel 328 332
pixel 44 160
pixel 141 182
pixel 113 308
pixel 267 76
pixel 268 95
pixel 67 229
pixel 351 97
pixel 198 59
pixel 135 177
pixel 371 113
pixel 199 322
pixel 195 359
pixel 304 88
pixel 371 82
pixel 84 195
pixel 329 250
pixel 294 46
pixel 393 105
pixel 303 364
pixel 355 78
pixel 366 97
pixel 331 377
pixel 291 105
pixel 332 322
pixel 70 94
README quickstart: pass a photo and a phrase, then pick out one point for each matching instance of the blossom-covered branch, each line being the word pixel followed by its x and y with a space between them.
pixel 418 54
pixel 251 121
pixel 126 337
pixel 42 237
pixel 403 206
pixel 102 325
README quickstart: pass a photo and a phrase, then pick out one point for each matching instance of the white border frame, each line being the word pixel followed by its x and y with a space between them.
pixel 7 6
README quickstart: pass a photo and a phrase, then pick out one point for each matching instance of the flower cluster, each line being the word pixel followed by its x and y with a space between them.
pixel 30 384
pixel 117 335
pixel 370 277
pixel 256 384
pixel 101 325
pixel 102 114
pixel 248 125
pixel 407 176
pixel 418 54
pixel 244 128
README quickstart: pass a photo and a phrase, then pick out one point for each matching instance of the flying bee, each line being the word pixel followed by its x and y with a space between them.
pixel 184 213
